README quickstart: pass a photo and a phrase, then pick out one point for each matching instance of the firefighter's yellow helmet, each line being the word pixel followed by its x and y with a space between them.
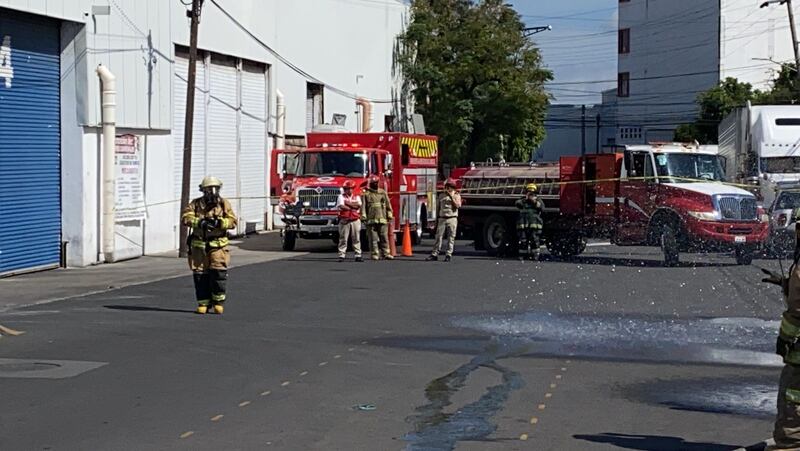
pixel 531 188
pixel 210 182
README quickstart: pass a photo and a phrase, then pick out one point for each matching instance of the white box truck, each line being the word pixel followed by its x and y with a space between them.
pixel 761 148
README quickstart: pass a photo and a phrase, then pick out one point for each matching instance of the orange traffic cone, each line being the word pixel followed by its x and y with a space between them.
pixel 407 251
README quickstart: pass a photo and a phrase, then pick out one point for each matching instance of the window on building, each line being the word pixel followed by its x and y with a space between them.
pixel 624 84
pixel 624 41
pixel 314 105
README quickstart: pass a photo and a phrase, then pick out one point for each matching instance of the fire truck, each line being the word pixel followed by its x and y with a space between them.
pixel 668 195
pixel 406 165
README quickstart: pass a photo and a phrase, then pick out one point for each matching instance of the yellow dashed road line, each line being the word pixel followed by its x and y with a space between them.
pixel 244 404
pixel 285 383
pixel 304 373
pixel 187 434
pixel 323 363
pixel 217 418
pixel 266 393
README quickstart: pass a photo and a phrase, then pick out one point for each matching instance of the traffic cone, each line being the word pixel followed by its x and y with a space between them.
pixel 407 251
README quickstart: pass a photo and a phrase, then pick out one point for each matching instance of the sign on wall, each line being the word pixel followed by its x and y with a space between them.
pixel 130 191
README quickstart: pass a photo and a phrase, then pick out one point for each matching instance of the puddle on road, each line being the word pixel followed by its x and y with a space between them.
pixel 735 341
pixel 747 396
pixel 435 430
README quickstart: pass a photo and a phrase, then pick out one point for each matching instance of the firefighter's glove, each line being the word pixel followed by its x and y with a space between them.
pixel 215 223
pixel 783 347
pixel 776 279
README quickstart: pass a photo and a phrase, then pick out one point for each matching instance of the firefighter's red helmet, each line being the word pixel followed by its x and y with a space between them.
pixel 374 179
pixel 349 184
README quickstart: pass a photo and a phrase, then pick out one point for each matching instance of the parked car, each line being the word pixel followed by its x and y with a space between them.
pixel 782 221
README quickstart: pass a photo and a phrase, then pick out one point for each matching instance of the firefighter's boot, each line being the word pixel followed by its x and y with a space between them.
pixel 218 309
pixel 202 309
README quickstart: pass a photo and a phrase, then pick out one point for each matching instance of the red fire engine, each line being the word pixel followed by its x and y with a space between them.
pixel 666 195
pixel 405 163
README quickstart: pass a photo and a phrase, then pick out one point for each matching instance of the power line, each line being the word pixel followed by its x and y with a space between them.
pixel 290 64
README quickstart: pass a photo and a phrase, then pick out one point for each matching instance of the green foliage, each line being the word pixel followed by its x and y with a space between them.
pixel 476 79
pixel 719 101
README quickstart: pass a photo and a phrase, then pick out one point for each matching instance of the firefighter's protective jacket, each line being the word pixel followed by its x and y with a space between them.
pixel 449 205
pixel 530 213
pixel 377 209
pixel 197 210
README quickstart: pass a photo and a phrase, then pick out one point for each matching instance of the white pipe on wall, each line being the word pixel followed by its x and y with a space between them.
pixel 366 114
pixel 109 101
pixel 280 139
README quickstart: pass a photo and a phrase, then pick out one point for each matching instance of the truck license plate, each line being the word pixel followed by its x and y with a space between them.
pixel 318 229
pixel 741 239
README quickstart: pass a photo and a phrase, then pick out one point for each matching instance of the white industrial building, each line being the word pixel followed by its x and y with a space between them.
pixel 320 54
pixel 670 51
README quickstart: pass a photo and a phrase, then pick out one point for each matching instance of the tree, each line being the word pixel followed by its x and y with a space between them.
pixel 715 104
pixel 719 101
pixel 476 78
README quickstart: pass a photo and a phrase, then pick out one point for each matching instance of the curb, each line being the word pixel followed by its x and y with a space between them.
pixel 758 446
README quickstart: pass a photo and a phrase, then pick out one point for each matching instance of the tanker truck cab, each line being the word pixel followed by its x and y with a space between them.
pixel 672 195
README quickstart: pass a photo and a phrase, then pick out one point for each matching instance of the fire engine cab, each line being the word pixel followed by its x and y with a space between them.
pixel 406 165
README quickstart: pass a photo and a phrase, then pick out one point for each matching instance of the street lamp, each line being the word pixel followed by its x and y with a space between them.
pixel 530 31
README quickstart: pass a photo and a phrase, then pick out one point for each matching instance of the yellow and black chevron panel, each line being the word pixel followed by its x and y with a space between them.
pixel 421 147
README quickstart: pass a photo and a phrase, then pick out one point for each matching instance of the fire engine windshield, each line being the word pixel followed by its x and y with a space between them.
pixel 680 168
pixel 330 164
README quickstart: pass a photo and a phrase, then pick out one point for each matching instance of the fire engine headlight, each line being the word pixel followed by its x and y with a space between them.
pixel 306 204
pixel 705 215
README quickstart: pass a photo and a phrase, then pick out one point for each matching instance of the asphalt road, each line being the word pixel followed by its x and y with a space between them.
pixel 608 351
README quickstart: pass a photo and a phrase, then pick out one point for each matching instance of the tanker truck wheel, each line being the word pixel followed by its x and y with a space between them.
pixel 669 245
pixel 495 235
pixel 288 240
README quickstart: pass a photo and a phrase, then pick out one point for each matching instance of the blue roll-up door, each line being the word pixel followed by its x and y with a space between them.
pixel 30 136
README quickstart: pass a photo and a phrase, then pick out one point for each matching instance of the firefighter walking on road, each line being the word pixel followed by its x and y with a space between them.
pixel 529 224
pixel 209 217
pixel 787 422
pixel 377 212
pixel 349 206
pixel 447 221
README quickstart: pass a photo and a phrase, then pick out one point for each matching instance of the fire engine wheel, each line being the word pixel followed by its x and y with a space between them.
pixel 669 245
pixel 495 235
pixel 288 240
pixel 744 256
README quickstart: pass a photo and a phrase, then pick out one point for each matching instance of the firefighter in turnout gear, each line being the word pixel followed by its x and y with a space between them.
pixel 447 221
pixel 529 224
pixel 787 422
pixel 209 217
pixel 377 212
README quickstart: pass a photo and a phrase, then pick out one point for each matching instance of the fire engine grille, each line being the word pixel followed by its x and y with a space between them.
pixel 319 198
pixel 738 208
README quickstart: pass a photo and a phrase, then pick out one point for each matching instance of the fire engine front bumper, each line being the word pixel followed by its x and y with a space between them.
pixel 727 234
pixel 317 226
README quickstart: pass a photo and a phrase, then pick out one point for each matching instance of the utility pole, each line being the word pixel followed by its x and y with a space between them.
pixel 188 129
pixel 794 32
pixel 583 130
pixel 597 131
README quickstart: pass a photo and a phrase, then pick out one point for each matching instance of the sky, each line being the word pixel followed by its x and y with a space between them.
pixel 582 46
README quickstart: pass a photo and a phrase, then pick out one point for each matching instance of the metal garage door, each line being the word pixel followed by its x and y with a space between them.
pixel 223 105
pixel 253 137
pixel 199 128
pixel 30 170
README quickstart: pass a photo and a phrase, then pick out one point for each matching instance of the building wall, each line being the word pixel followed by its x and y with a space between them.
pixel 681 48
pixel 751 36
pixel 325 41
pixel 673 56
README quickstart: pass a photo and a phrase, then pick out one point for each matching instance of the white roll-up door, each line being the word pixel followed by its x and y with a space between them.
pixel 222 144
pixel 252 157
pixel 199 129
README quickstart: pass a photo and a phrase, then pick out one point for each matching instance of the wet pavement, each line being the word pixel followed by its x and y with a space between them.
pixel 610 351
